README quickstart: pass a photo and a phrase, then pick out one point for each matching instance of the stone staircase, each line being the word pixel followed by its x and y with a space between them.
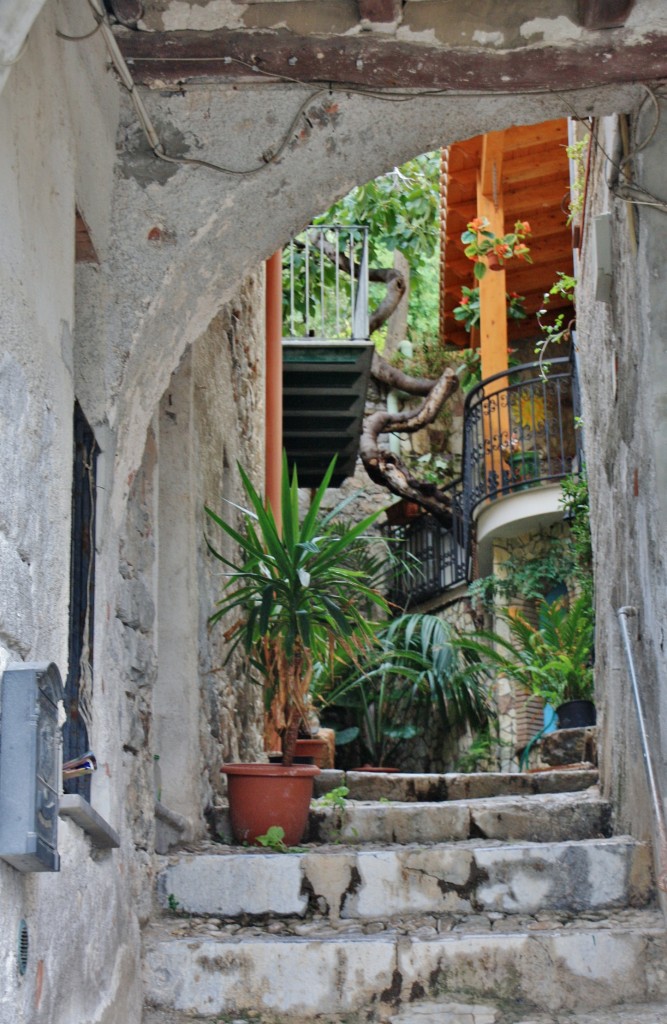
pixel 453 899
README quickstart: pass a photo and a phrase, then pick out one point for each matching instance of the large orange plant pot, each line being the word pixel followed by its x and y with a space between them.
pixel 262 795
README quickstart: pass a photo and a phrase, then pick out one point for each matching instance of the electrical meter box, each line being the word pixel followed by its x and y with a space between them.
pixel 30 766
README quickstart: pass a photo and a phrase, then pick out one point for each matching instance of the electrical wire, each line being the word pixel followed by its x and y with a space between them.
pixel 630 192
pixel 79 39
pixel 388 96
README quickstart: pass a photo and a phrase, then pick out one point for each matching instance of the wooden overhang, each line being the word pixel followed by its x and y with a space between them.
pixel 535 186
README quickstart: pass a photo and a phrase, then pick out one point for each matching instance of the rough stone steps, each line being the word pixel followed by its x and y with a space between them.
pixel 476 899
pixel 371 883
pixel 548 964
pixel 455 785
pixel 551 817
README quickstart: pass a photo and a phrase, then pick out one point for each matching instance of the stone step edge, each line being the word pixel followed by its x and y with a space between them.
pixel 170 927
pixel 349 973
pixel 377 884
pixel 434 1012
pixel 419 786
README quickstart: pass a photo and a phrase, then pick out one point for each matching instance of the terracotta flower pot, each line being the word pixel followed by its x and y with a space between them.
pixel 315 748
pixel 262 795
pixel 493 262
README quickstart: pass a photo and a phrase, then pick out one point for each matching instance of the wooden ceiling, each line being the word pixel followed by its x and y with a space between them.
pixel 535 185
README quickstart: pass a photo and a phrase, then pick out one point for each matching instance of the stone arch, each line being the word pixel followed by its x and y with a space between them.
pixel 185 236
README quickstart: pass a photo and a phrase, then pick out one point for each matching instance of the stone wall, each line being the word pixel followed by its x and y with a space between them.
pixel 622 345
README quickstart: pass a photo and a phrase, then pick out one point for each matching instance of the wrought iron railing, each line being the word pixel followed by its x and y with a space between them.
pixel 432 556
pixel 325 283
pixel 520 431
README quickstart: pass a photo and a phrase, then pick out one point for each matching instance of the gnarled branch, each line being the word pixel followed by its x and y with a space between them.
pixel 388 469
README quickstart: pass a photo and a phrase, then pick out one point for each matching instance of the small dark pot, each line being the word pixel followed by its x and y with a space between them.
pixel 576 714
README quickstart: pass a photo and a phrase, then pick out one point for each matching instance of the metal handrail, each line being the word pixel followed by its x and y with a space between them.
pixel 623 615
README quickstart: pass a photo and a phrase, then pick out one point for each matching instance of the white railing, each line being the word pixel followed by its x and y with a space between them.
pixel 325 284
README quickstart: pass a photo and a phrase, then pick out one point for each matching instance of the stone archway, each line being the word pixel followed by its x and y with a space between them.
pixel 185 237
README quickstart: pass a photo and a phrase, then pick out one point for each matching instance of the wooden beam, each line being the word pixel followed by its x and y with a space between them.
pixel 383 63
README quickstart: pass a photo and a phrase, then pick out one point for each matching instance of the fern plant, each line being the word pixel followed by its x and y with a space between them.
pixel 552 659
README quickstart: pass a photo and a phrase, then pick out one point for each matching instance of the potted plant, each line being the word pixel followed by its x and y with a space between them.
pixel 551 659
pixel 293 597
pixel 490 251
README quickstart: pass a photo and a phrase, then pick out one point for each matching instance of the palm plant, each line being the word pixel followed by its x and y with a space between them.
pixel 395 688
pixel 551 659
pixel 294 595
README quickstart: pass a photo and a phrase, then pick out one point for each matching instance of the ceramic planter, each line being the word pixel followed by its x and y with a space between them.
pixel 262 795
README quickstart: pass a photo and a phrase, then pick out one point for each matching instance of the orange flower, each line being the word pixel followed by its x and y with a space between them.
pixel 464 300
pixel 522 227
pixel 477 224
pixel 521 250
pixel 501 249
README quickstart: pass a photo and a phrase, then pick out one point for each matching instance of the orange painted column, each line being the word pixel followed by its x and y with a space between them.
pixel 493 310
pixel 273 446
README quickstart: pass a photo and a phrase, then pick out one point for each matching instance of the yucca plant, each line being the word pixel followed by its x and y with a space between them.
pixel 552 659
pixel 294 595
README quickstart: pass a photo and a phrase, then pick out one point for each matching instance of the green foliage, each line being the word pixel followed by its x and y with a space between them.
pixel 172 903
pixel 552 659
pixel 293 594
pixel 273 839
pixel 558 331
pixel 400 210
pixel 575 501
pixel 394 690
pixel 334 798
pixel 527 576
pixel 468 311
pixel 577 152
pixel 482 754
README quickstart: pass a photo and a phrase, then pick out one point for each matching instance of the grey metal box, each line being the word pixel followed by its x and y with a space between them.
pixel 30 766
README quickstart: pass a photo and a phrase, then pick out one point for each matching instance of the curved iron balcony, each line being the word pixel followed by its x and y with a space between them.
pixel 520 431
pixel 519 434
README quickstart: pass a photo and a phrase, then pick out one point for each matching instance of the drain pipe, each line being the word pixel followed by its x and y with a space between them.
pixel 273 435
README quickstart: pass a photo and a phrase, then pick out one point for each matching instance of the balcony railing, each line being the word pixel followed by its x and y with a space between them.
pixel 433 557
pixel 325 274
pixel 519 431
